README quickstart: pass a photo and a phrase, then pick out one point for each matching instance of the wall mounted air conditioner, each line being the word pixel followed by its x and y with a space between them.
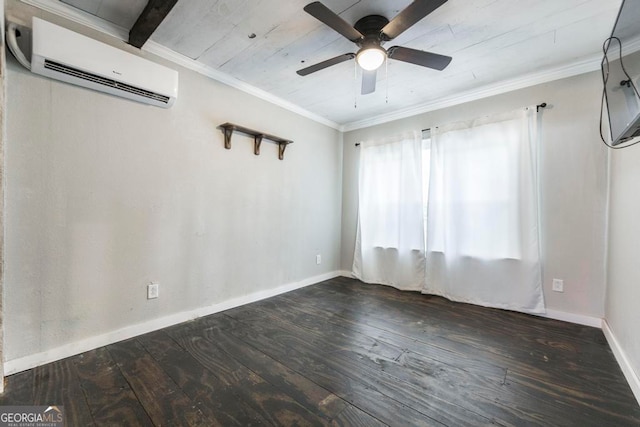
pixel 73 58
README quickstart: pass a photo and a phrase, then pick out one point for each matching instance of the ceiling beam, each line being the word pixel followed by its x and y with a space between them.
pixel 150 18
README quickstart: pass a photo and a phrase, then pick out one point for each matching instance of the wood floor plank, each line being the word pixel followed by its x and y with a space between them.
pixel 161 398
pixel 18 389
pixel 540 325
pixel 590 372
pixel 313 397
pixel 449 389
pixel 586 407
pixel 462 360
pixel 530 355
pixel 354 417
pixel 109 396
pixel 220 400
pixel 281 336
pixel 268 310
pixel 480 395
pixel 271 403
pixel 57 383
pixel 318 318
pixel 476 318
pixel 368 400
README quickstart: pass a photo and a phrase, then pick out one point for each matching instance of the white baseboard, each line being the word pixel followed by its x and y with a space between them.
pixel 580 319
pixel 345 273
pixel 71 349
pixel 627 369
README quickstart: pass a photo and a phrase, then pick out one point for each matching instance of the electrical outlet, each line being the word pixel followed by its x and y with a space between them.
pixel 318 259
pixel 558 285
pixel 153 290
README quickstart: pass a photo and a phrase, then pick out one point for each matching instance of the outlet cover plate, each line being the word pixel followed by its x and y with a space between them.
pixel 153 290
pixel 558 285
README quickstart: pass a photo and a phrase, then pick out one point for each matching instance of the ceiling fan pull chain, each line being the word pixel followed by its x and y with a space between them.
pixel 355 84
pixel 386 70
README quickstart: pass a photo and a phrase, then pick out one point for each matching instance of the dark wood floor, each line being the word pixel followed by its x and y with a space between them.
pixel 343 353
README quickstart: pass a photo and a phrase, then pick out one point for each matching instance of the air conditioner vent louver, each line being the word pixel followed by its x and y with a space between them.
pixel 61 68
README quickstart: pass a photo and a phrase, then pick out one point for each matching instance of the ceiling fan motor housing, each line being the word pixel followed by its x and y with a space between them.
pixel 371 27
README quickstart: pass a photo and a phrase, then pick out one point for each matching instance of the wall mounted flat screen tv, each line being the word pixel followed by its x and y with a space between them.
pixel 621 74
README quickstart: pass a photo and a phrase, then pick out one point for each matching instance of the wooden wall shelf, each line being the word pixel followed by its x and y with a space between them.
pixel 229 128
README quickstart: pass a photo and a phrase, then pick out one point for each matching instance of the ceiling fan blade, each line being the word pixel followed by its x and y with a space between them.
pixel 325 64
pixel 325 15
pixel 409 16
pixel 419 57
pixel 368 81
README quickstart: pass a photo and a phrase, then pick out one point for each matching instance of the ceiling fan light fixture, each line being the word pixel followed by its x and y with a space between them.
pixel 371 57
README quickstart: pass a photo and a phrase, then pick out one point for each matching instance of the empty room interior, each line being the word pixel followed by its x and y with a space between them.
pixel 346 212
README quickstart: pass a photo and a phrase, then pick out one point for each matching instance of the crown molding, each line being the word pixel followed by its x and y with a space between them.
pixel 157 49
pixel 579 67
pixel 68 12
pixel 631 46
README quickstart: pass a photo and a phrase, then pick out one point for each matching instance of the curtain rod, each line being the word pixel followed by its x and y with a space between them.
pixel 538 107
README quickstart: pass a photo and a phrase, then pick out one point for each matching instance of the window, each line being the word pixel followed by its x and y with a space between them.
pixel 454 212
pixel 477 196
pixel 390 193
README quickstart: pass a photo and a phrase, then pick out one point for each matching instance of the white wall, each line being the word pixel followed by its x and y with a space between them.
pixel 105 195
pixel 623 288
pixel 573 184
pixel 623 270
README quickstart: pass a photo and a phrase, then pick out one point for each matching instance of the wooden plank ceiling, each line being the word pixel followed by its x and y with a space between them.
pixel 490 41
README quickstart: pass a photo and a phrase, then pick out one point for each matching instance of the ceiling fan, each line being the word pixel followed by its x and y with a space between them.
pixel 370 33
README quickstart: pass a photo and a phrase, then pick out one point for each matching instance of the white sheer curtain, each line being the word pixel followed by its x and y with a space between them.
pixel 390 241
pixel 482 221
